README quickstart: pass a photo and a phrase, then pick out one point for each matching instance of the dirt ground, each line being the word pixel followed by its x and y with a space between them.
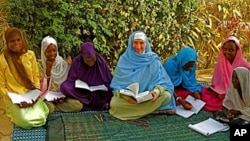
pixel 6 126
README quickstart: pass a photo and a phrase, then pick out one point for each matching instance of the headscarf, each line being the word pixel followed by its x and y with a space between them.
pixel 88 50
pixel 60 68
pixel 233 100
pixel 223 69
pixel 13 57
pixel 179 76
pixel 146 69
pixel 94 75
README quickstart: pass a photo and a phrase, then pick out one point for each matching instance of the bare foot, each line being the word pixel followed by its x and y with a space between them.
pixel 169 112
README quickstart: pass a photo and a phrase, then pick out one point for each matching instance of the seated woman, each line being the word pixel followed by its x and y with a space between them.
pixel 90 67
pixel 139 64
pixel 230 57
pixel 182 71
pixel 54 71
pixel 236 105
pixel 19 74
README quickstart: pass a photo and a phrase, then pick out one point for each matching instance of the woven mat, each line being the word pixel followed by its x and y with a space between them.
pixel 153 127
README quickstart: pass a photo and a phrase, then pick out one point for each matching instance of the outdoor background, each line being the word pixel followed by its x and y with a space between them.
pixel 170 25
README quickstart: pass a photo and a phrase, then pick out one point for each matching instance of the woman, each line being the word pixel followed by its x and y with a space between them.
pixel 89 67
pixel 236 104
pixel 182 71
pixel 54 71
pixel 19 74
pixel 230 57
pixel 138 64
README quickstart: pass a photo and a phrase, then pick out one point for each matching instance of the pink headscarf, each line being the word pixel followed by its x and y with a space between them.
pixel 223 69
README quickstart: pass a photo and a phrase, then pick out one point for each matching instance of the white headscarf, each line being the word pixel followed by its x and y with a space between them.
pixel 60 68
pixel 233 100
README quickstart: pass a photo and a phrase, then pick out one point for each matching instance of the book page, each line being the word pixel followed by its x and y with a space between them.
pixel 81 84
pixel 197 103
pixel 98 87
pixel 208 127
pixel 183 112
pixel 127 92
pixel 27 97
pixel 143 96
pixel 51 96
pixel 134 87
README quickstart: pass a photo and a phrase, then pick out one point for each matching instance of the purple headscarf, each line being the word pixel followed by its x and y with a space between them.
pixel 88 50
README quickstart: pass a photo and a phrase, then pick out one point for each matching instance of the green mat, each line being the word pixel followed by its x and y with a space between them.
pixel 86 127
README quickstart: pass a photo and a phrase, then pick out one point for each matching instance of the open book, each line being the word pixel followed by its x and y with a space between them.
pixel 28 97
pixel 209 126
pixel 83 85
pixel 133 91
pixel 216 90
pixel 51 96
pixel 197 106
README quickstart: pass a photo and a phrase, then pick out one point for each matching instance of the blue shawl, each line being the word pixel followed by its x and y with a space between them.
pixel 179 76
pixel 146 69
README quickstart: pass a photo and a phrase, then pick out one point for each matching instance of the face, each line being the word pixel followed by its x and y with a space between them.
pixel 230 50
pixel 139 46
pixel 89 61
pixel 189 65
pixel 15 43
pixel 235 81
pixel 51 52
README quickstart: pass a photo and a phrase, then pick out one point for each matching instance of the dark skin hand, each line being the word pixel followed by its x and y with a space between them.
pixel 25 104
pixel 58 100
pixel 185 104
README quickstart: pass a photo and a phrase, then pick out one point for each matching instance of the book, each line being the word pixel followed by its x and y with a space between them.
pixel 51 96
pixel 83 85
pixel 133 91
pixel 209 126
pixel 28 97
pixel 216 90
pixel 197 106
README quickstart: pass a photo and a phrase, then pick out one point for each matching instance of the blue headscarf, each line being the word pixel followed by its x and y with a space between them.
pixel 146 69
pixel 179 76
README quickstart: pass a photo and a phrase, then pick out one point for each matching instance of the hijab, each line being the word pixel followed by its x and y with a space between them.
pixel 179 76
pixel 59 70
pixel 233 100
pixel 223 69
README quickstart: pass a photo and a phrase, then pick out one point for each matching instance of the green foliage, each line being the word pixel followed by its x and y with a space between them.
pixel 167 23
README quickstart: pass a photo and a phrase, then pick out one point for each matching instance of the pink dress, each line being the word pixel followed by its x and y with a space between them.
pixel 221 77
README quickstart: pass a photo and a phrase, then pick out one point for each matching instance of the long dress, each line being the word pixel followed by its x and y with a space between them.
pixel 95 75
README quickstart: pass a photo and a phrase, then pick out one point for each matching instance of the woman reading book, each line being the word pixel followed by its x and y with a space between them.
pixel 230 57
pixel 19 74
pixel 54 70
pixel 139 64
pixel 91 68
pixel 181 68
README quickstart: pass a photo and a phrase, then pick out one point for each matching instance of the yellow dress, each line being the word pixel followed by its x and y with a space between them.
pixel 24 117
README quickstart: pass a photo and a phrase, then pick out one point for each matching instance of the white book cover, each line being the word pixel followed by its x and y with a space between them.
pixel 83 85
pixel 133 91
pixel 27 97
pixel 209 126
pixel 197 106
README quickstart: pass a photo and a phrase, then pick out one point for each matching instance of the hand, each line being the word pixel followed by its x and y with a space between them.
pixel 131 100
pixel 49 63
pixel 58 100
pixel 24 104
pixel 68 60
pixel 186 105
pixel 155 96
pixel 197 95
